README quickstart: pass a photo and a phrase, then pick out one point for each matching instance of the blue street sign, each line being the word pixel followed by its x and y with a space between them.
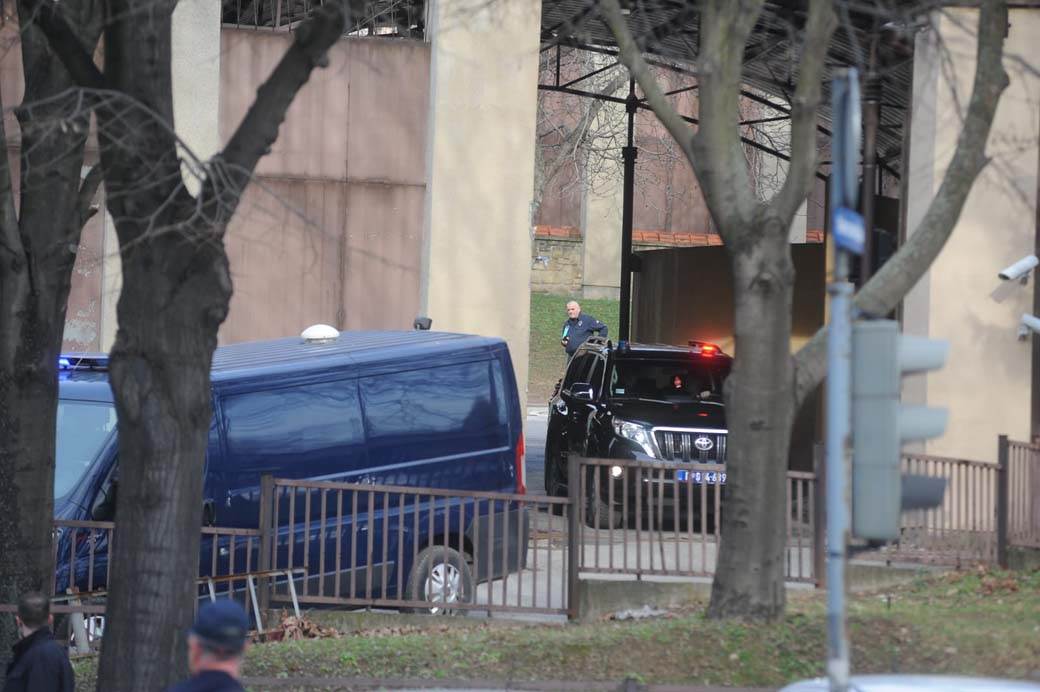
pixel 848 230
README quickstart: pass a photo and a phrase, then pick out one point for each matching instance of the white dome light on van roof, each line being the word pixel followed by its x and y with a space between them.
pixel 319 334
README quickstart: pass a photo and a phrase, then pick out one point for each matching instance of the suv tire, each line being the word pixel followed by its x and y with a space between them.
pixel 597 511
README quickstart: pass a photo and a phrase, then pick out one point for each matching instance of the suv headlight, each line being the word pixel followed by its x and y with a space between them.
pixel 636 433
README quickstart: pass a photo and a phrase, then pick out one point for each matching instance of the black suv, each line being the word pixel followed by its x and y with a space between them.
pixel 648 402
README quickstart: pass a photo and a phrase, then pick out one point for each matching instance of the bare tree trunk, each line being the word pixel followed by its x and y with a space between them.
pixel 176 292
pixel 37 253
pixel 160 369
pixel 749 575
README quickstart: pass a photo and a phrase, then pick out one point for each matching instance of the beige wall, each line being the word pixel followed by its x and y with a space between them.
pixel 480 170
pixel 987 382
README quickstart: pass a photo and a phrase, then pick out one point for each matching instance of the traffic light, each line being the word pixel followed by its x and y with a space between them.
pixel 881 356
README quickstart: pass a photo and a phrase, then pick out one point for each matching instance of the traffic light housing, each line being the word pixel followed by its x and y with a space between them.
pixel 881 356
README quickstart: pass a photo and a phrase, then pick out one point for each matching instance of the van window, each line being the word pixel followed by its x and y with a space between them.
pixel 292 422
pixel 450 401
pixel 82 430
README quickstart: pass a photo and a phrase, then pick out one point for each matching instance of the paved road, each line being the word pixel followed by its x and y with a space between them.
pixel 534 442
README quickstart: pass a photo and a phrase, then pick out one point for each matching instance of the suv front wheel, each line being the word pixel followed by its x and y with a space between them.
pixel 598 514
pixel 555 462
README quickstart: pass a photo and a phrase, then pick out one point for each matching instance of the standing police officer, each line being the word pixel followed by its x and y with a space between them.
pixel 578 327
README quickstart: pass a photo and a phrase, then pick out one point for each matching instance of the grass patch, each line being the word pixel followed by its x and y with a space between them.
pixel 546 356
pixel 983 623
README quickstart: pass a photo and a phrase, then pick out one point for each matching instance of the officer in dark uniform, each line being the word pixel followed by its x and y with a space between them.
pixel 39 663
pixel 216 644
pixel 578 327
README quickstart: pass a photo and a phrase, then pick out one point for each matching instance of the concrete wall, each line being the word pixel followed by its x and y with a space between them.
pixel 331 229
pixel 480 169
pixel 987 382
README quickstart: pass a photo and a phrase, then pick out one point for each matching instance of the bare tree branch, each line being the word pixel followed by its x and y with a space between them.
pixel 899 275
pixel 632 57
pixel 66 44
pixel 802 169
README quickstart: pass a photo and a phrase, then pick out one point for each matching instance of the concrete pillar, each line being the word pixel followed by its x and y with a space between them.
pixel 800 223
pixel 601 235
pixel 603 197
pixel 476 256
pixel 196 107
pixel 986 383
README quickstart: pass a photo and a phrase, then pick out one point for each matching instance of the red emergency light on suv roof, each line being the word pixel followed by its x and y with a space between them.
pixel 704 348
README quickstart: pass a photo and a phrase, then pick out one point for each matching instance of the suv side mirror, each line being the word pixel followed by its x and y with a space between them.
pixel 582 391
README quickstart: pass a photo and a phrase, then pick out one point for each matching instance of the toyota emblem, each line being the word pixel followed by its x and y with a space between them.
pixel 703 443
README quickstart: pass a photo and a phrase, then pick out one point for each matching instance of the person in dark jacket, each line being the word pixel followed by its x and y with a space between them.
pixel 216 644
pixel 39 663
pixel 578 327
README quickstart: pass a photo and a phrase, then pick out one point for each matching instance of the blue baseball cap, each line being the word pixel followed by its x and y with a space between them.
pixel 222 625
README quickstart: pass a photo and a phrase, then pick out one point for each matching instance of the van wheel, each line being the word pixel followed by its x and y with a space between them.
pixel 442 576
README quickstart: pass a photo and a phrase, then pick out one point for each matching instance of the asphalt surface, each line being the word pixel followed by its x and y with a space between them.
pixel 534 444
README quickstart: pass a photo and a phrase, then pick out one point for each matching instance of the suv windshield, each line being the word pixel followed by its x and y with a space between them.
pixel 670 379
pixel 83 427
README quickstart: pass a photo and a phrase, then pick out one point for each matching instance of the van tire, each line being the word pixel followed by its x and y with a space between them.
pixel 428 573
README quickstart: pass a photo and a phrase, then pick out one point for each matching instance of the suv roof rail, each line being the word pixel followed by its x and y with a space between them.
pixel 83 361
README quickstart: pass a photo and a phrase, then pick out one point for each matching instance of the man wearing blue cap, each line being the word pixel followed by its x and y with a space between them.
pixel 216 644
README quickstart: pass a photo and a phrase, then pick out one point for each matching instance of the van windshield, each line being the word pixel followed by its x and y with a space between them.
pixel 83 427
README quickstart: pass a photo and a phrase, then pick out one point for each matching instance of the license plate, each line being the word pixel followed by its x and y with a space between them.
pixel 698 477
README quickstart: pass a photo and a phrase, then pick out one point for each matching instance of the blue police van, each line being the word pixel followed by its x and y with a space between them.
pixel 420 409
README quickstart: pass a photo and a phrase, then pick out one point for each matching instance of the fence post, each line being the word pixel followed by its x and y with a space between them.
pixel 267 538
pixel 819 518
pixel 1002 500
pixel 573 512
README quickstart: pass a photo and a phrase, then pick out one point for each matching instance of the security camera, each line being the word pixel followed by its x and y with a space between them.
pixel 1020 269
pixel 1029 323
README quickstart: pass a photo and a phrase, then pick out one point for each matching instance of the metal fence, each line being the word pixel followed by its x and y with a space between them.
pixel 416 548
pixel 963 529
pixel 652 518
pixel 437 550
pixel 398 18
pixel 1021 492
